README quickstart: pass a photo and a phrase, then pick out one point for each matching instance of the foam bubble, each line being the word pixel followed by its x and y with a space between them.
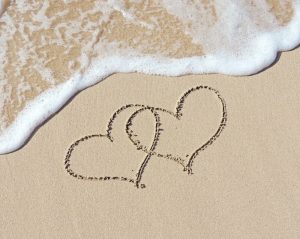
pixel 50 50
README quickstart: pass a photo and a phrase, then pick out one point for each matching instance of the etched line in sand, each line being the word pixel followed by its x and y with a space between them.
pixel 178 115
pixel 151 151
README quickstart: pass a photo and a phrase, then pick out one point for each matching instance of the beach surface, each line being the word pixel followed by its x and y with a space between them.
pixel 245 185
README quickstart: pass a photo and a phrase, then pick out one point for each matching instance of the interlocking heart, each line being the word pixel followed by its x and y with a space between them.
pixel 137 133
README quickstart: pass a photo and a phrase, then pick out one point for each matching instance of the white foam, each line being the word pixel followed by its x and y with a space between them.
pixel 256 50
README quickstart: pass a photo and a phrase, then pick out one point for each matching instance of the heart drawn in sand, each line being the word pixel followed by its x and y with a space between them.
pixel 136 133
pixel 187 131
pixel 111 155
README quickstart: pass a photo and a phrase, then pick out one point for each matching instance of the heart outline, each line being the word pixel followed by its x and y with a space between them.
pixel 178 114
pixel 108 135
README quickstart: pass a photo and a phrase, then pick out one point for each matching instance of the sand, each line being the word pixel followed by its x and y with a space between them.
pixel 245 185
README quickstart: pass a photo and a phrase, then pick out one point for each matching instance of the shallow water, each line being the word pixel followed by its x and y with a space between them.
pixel 52 49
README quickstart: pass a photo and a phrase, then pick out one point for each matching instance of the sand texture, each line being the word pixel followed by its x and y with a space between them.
pixel 244 185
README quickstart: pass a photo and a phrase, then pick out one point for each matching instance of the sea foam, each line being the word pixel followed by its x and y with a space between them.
pixel 50 50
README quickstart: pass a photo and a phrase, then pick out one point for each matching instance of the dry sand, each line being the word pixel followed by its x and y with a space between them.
pixel 245 185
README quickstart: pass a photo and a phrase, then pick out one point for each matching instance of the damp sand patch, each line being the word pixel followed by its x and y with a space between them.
pixel 50 50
